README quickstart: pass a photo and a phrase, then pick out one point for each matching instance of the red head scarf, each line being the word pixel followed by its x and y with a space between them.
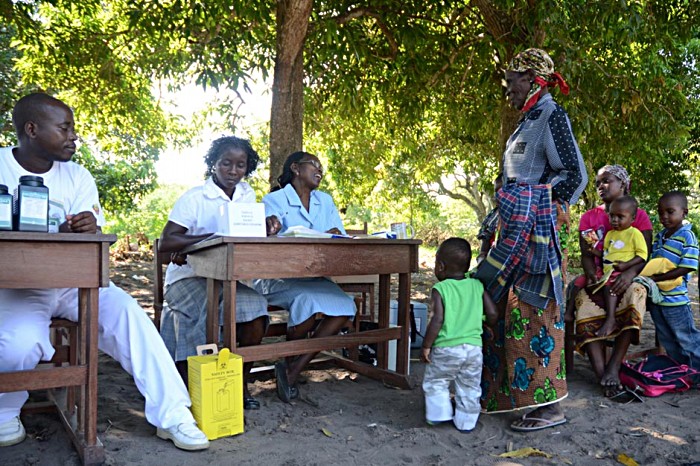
pixel 538 61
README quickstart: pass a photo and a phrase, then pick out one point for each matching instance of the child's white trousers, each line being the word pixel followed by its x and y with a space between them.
pixel 461 364
pixel 125 333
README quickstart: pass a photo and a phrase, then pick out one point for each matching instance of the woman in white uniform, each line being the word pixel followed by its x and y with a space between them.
pixel 196 216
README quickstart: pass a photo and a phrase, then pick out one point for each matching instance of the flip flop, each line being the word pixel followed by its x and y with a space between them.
pixel 547 423
pixel 284 392
pixel 626 396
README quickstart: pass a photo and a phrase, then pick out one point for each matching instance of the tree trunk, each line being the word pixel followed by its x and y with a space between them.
pixel 505 28
pixel 287 112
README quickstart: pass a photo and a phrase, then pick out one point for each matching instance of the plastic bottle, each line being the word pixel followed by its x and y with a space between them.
pixel 32 204
pixel 6 202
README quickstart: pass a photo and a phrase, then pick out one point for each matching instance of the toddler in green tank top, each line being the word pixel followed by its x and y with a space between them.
pixel 452 343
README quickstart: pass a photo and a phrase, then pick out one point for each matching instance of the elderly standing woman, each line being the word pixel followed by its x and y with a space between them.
pixel 299 202
pixel 543 174
pixel 612 182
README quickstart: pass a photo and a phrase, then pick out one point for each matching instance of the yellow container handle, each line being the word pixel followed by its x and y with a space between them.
pixel 224 356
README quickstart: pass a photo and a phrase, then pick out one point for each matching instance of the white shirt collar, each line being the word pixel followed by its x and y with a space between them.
pixel 212 191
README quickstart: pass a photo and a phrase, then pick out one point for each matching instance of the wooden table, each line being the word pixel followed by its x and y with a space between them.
pixel 224 260
pixel 63 260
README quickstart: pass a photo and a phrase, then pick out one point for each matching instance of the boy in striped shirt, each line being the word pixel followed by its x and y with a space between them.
pixel 673 316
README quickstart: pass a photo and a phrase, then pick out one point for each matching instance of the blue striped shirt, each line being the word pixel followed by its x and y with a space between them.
pixel 681 248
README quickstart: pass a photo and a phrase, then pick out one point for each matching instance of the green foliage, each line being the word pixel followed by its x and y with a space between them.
pixel 149 216
pixel 420 94
pixel 121 182
pixel 84 54
pixel 694 216
pixel 217 43
pixel 640 76
pixel 11 87
pixel 404 99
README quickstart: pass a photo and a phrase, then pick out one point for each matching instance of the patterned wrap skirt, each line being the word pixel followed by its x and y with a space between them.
pixel 590 315
pixel 524 358
pixel 524 354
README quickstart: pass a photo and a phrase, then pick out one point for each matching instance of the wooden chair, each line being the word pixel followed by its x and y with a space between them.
pixel 64 338
pixel 65 341
pixel 362 284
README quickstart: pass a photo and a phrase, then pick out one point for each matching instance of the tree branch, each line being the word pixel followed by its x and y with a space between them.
pixel 450 60
pixel 493 19
pixel 359 12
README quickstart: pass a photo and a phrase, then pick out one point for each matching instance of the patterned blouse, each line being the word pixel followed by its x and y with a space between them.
pixel 543 150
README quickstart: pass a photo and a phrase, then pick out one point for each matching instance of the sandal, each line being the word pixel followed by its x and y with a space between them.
pixel 250 403
pixel 626 396
pixel 284 391
pixel 544 423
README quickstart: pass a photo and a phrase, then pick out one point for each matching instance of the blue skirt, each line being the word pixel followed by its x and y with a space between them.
pixel 304 297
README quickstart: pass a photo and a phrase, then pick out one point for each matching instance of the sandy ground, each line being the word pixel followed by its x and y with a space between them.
pixel 369 423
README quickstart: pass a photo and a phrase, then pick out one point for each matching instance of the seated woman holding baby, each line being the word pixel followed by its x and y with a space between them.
pixel 612 182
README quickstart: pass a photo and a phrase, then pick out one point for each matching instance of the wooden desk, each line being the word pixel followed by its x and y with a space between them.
pixel 224 260
pixel 63 260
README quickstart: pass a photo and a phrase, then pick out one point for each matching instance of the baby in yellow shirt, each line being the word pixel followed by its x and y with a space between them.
pixel 624 247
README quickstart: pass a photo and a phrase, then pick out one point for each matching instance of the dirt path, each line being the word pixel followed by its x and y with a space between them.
pixel 347 419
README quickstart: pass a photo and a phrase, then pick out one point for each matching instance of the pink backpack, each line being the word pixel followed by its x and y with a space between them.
pixel 656 375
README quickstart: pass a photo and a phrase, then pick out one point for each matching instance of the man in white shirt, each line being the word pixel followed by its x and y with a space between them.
pixel 46 135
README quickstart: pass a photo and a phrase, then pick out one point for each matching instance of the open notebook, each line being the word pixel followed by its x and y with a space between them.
pixel 300 231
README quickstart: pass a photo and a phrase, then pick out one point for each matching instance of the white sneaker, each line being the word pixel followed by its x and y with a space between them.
pixel 12 432
pixel 185 436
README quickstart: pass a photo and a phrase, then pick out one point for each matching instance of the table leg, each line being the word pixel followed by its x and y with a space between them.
pixel 213 291
pixel 402 346
pixel 83 338
pixel 383 319
pixel 91 395
pixel 88 445
pixel 230 315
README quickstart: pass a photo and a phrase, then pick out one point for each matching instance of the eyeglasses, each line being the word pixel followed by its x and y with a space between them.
pixel 315 163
